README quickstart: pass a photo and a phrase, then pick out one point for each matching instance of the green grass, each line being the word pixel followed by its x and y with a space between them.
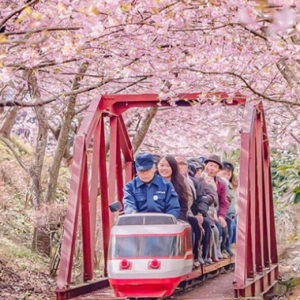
pixel 12 251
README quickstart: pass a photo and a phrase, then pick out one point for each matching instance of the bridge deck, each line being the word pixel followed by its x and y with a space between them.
pixel 218 287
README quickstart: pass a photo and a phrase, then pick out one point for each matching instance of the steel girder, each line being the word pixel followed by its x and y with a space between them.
pixel 256 269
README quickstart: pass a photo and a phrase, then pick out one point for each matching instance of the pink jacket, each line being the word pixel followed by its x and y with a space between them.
pixel 223 203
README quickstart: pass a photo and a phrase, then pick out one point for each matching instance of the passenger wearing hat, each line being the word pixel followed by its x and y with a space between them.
pixel 232 184
pixel 198 165
pixel 227 174
pixel 212 166
pixel 149 192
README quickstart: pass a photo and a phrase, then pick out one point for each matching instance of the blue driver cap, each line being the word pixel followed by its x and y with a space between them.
pixel 144 161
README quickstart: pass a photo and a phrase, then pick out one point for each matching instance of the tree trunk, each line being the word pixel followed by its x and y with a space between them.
pixel 63 137
pixel 36 168
pixel 143 128
pixel 41 236
pixel 287 73
pixel 8 122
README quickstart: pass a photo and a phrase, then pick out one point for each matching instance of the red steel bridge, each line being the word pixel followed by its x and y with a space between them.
pixel 256 261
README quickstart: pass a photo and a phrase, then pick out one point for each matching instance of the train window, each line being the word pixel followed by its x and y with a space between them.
pixel 189 242
pixel 146 220
pixel 136 220
pixel 127 246
pixel 159 220
pixel 180 246
pixel 145 246
pixel 161 246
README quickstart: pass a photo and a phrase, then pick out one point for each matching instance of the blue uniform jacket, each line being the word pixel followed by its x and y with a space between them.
pixel 157 196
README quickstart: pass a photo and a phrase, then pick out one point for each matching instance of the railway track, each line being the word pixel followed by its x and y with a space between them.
pixel 215 285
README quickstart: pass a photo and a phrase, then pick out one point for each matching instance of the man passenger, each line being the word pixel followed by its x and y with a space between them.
pixel 149 192
pixel 212 167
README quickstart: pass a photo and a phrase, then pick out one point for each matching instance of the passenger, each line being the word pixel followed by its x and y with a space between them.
pixel 149 192
pixel 199 170
pixel 209 191
pixel 228 173
pixel 200 205
pixel 214 253
pixel 228 219
pixel 209 224
pixel 168 168
pixel 212 166
pixel 199 167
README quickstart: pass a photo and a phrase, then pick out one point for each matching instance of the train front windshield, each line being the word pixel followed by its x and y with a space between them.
pixel 145 246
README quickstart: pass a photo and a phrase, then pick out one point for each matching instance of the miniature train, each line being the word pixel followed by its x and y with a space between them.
pixel 150 254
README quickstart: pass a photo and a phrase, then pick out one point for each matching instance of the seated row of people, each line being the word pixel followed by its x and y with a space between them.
pixel 221 224
pixel 190 192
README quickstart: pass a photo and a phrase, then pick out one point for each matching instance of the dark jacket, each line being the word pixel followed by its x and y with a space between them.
pixel 183 209
pixel 201 201
pixel 210 192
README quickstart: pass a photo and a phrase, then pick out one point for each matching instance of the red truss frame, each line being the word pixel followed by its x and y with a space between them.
pixel 256 261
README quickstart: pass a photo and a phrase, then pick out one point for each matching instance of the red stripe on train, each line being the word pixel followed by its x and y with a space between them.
pixel 154 287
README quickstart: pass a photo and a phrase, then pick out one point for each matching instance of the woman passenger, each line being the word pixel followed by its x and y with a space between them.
pixel 168 168
pixel 228 173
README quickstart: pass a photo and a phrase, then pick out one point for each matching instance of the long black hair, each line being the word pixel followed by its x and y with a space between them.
pixel 177 179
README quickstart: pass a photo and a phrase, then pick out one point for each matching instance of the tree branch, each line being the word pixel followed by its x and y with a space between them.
pixel 132 84
pixel 253 32
pixel 220 27
pixel 41 103
pixel 203 28
pixel 42 65
pixel 115 92
pixel 20 9
pixel 16 155
pixel 295 138
pixel 247 85
pixel 66 94
pixel 41 30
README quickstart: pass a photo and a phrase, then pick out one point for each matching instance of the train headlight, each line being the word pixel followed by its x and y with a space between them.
pixel 125 264
pixel 154 264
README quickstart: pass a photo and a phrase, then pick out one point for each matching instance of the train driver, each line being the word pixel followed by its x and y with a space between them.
pixel 149 192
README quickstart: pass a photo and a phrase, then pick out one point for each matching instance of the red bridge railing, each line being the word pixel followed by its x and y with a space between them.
pixel 256 269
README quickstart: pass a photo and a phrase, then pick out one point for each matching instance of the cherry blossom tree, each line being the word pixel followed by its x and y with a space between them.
pixel 166 47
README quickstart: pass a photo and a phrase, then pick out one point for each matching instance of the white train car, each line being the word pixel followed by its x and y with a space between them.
pixel 149 254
